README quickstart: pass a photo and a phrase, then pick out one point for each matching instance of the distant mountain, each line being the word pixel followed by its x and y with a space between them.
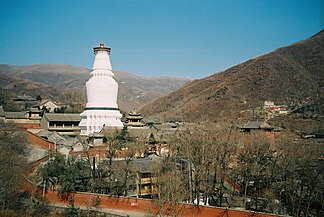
pixel 56 81
pixel 289 75
pixel 56 75
pixel 11 87
pixel 26 87
pixel 136 91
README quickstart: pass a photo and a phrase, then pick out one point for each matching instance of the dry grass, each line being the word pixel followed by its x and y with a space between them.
pixel 289 75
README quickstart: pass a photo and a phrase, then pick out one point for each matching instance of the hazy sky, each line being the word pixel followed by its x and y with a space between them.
pixel 153 37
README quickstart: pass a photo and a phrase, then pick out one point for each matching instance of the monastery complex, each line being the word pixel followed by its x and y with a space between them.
pixel 87 136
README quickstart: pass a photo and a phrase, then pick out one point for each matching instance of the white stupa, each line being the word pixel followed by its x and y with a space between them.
pixel 102 89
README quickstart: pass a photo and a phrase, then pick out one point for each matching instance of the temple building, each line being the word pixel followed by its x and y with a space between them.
pixel 64 124
pixel 102 89
pixel 134 119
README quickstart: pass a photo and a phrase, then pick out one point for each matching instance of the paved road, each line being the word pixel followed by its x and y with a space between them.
pixel 118 213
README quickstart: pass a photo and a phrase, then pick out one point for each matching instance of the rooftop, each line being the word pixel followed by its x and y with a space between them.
pixel 57 138
pixel 134 114
pixel 256 125
pixel 15 115
pixel 142 165
pixel 73 117
pixel 2 112
pixel 25 98
pixel 35 110
pixel 102 48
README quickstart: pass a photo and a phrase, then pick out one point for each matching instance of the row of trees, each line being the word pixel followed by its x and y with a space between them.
pixel 282 175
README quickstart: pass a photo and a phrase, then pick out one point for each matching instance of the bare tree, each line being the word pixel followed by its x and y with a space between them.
pixel 131 150
pixel 190 146
pixel 300 175
pixel 170 189
pixel 13 151
pixel 114 144
pixel 256 164
pixel 225 142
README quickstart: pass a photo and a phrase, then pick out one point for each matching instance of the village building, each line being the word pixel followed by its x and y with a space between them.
pixel 21 119
pixel 141 181
pixel 25 102
pixel 273 110
pixel 145 177
pixel 63 123
pixel 25 119
pixel 24 98
pixel 49 105
pixel 35 113
pixel 56 143
pixel 53 137
pixel 96 139
pixel 16 117
pixel 256 125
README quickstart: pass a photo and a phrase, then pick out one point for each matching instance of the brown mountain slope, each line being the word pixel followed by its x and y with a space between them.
pixel 20 86
pixel 292 74
pixel 134 91
pixel 56 75
pixel 11 87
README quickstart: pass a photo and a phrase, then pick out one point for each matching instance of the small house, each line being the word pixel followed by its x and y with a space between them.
pixel 51 106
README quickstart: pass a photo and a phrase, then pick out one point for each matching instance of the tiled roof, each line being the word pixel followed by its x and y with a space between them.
pixel 96 135
pixel 15 115
pixel 43 133
pixel 2 112
pixel 141 165
pixel 25 98
pixel 63 117
pixel 256 125
pixel 55 137
pixel 49 103
pixel 35 110
pixel 70 141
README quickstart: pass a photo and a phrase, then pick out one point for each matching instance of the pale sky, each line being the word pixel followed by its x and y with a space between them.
pixel 188 38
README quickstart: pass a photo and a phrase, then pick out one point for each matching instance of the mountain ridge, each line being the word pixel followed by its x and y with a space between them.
pixel 134 90
pixel 226 95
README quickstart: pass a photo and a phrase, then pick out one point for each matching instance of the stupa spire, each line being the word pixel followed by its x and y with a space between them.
pixel 102 90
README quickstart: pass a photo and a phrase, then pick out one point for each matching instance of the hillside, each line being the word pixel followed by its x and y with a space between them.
pixel 56 75
pixel 289 75
pixel 65 81
pixel 11 87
